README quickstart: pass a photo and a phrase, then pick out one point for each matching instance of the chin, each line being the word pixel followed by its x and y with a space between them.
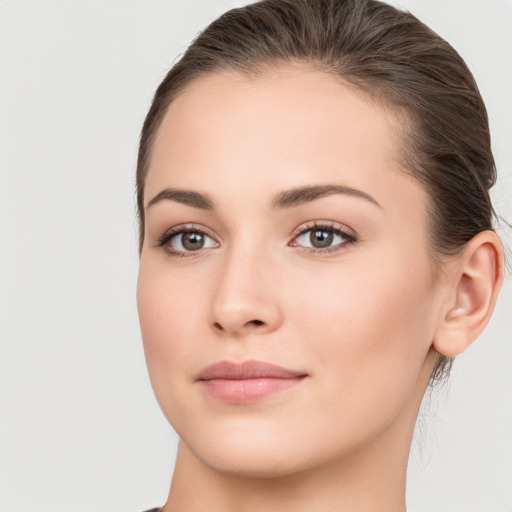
pixel 251 462
pixel 256 451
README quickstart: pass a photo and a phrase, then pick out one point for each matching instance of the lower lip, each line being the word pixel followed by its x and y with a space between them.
pixel 245 391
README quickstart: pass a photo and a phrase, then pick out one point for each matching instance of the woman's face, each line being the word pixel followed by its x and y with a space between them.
pixel 305 246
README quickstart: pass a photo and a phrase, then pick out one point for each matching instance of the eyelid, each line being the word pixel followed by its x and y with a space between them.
pixel 169 234
pixel 184 228
pixel 322 224
pixel 346 233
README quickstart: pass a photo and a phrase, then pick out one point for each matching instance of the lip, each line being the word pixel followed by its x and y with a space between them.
pixel 250 369
pixel 246 382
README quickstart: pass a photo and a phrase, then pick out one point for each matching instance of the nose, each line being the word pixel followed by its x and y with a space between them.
pixel 246 296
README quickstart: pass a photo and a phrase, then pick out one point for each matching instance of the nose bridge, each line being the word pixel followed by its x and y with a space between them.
pixel 246 295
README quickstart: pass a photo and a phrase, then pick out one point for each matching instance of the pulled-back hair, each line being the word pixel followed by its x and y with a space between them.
pixel 390 55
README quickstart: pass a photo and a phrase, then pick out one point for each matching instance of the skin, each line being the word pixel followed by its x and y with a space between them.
pixel 363 321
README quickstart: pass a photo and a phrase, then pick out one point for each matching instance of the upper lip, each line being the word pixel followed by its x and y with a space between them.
pixel 250 369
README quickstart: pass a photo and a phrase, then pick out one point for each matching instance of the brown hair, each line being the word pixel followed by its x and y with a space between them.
pixel 390 55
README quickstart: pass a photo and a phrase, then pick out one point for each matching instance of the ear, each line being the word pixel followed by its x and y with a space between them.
pixel 473 281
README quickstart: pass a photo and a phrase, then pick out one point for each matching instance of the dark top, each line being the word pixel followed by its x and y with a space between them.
pixel 153 510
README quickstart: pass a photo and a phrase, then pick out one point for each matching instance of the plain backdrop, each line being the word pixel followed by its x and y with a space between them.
pixel 80 429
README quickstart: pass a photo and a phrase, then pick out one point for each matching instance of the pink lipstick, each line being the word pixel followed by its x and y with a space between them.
pixel 246 382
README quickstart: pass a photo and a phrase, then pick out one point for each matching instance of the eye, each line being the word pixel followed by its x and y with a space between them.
pixel 180 240
pixel 322 237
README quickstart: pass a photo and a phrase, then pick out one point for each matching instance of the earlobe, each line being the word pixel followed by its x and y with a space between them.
pixel 475 280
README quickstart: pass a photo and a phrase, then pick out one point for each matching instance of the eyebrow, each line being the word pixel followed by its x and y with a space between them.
pixel 284 199
pixel 188 197
pixel 297 196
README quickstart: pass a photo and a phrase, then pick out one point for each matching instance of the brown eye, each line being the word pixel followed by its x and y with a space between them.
pixel 321 238
pixel 185 241
pixel 191 241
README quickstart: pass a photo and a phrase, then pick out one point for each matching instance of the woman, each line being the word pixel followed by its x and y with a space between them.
pixel 316 245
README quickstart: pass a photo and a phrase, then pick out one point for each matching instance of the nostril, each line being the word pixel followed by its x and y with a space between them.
pixel 219 327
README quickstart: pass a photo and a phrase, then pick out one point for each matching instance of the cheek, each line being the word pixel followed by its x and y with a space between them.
pixel 369 326
pixel 169 313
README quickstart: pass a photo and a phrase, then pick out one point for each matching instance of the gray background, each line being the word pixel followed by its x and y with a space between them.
pixel 80 429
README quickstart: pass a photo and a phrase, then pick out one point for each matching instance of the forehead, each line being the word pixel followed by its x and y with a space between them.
pixel 285 126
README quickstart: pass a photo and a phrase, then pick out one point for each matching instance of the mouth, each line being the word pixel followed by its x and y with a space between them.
pixel 246 382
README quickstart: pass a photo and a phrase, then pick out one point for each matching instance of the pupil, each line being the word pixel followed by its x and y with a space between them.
pixel 193 241
pixel 321 238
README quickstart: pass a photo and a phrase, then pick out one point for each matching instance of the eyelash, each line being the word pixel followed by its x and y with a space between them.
pixel 349 239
